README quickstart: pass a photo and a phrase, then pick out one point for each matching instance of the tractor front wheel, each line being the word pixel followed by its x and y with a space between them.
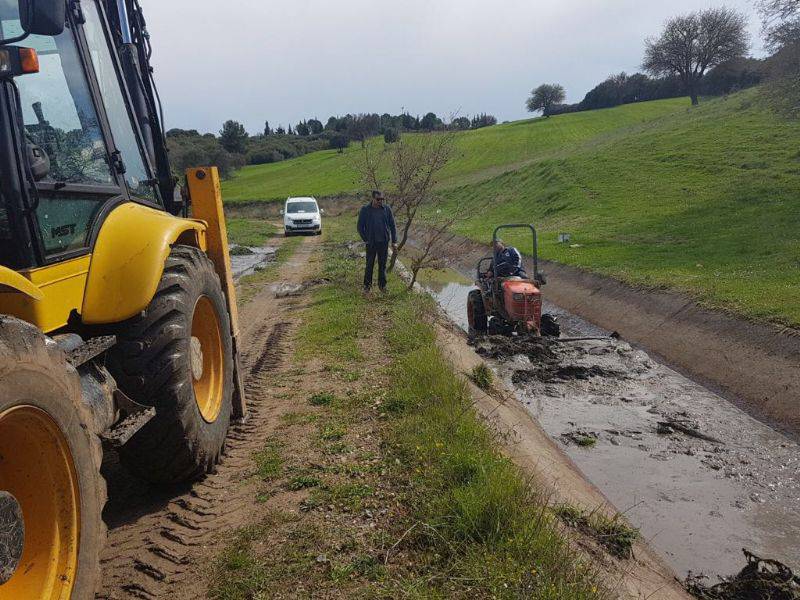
pixel 550 326
pixel 476 312
pixel 178 357
pixel 51 491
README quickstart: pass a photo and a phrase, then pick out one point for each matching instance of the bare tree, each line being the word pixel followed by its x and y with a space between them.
pixel 545 97
pixel 408 170
pixel 692 44
pixel 781 22
pixel 782 33
pixel 436 234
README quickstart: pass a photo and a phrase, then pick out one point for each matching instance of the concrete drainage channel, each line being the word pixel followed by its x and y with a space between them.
pixel 699 477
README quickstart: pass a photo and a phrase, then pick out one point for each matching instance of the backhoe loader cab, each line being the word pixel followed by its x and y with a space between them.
pixel 117 311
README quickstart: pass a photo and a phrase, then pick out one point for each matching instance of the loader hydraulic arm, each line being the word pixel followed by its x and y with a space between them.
pixel 133 45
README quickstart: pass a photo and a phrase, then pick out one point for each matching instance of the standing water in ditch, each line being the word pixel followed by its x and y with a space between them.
pixel 700 478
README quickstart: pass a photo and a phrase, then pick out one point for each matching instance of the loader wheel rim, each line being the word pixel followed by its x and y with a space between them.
pixel 208 387
pixel 37 467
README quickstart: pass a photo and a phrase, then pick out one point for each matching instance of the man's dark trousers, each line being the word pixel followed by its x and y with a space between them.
pixel 381 251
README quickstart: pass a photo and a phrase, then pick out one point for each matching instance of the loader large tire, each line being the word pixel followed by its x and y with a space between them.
pixel 177 357
pixel 50 463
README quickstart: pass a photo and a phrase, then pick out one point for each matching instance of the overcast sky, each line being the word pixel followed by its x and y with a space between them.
pixel 285 60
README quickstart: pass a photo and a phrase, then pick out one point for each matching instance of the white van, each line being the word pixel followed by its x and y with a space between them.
pixel 302 215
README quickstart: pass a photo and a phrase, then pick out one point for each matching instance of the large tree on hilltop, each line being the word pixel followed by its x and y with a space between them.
pixel 315 126
pixel 693 43
pixel 233 137
pixel 544 97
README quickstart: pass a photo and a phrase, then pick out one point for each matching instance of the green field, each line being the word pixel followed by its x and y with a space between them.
pixel 479 154
pixel 706 203
pixel 703 200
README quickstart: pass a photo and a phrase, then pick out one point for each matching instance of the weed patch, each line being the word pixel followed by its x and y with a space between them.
pixel 611 532
pixel 302 482
pixel 482 376
pixel 332 432
pixel 321 399
pixel 269 462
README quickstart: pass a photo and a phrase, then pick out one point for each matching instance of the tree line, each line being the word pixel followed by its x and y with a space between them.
pixel 697 54
pixel 234 147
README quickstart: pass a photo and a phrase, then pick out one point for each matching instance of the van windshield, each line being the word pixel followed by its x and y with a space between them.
pixel 301 207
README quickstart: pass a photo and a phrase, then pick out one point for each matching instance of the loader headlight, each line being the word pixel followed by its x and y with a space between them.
pixel 518 297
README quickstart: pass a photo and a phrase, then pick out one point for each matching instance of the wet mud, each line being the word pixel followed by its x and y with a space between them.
pixel 760 579
pixel 245 260
pixel 699 477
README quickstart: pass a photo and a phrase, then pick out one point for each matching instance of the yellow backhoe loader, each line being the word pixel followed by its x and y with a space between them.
pixel 117 308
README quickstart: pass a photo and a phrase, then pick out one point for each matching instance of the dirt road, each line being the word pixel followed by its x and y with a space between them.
pixel 161 542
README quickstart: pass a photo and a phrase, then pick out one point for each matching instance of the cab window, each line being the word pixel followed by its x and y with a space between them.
pixel 61 121
pixel 137 175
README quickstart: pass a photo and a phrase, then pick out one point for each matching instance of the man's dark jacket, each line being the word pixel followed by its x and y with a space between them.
pixel 376 225
pixel 509 263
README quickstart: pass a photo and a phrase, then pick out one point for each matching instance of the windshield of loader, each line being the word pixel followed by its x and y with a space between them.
pixel 60 118
pixel 119 118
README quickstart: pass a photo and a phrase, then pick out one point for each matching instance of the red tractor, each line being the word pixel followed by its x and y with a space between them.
pixel 509 304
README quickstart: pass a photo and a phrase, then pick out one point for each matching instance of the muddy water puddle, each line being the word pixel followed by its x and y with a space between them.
pixel 700 478
pixel 246 260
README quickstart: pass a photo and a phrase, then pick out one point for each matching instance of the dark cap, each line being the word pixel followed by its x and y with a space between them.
pixel 377 194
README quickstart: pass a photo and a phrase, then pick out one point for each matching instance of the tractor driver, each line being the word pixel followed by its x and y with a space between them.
pixel 508 260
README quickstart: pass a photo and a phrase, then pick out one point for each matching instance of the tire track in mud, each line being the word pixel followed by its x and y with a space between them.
pixel 153 556
pixel 158 539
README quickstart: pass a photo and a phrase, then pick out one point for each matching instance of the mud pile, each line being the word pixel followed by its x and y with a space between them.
pixel 760 579
pixel 548 357
pixel 500 347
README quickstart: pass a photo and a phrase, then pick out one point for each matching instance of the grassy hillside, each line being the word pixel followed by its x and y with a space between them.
pixel 703 200
pixel 479 154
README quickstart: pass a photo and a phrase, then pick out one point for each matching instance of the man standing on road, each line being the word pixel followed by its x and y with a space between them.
pixel 377 228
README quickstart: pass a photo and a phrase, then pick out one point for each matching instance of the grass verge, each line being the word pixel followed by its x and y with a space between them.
pixel 250 232
pixel 430 508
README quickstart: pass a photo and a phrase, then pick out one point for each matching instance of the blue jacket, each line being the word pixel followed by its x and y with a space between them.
pixel 509 263
pixel 377 226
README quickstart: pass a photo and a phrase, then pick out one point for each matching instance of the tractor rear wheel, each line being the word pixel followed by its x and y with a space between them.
pixel 476 312
pixel 49 472
pixel 177 356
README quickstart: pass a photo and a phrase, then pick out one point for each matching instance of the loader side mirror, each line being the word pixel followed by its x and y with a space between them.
pixel 322 211
pixel 541 279
pixel 283 212
pixel 43 17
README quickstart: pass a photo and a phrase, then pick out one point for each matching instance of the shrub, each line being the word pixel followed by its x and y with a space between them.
pixel 391 135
